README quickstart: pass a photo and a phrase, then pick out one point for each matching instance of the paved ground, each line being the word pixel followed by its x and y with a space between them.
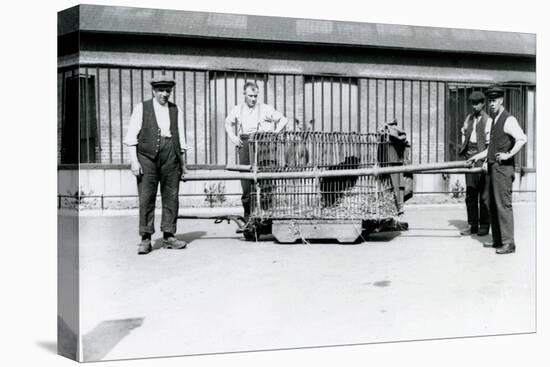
pixel 224 294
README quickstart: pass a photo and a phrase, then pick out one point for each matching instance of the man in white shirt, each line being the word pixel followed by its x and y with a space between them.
pixel 507 138
pixel 249 117
pixel 475 138
pixel 156 142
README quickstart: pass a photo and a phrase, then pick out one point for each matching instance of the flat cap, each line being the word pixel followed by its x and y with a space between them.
pixel 163 80
pixel 477 96
pixel 495 92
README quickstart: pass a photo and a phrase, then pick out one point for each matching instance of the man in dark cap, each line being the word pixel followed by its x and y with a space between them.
pixel 475 137
pixel 506 140
pixel 156 142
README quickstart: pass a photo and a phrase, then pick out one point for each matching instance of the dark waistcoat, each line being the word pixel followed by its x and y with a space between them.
pixel 480 133
pixel 500 142
pixel 149 135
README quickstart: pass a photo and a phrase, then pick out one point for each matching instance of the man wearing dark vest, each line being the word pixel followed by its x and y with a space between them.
pixel 506 140
pixel 156 144
pixel 475 136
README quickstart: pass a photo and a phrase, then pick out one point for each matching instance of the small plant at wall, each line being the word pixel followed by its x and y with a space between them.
pixel 457 190
pixel 215 193
pixel 78 197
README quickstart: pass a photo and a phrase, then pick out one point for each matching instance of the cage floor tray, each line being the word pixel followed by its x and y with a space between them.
pixel 290 231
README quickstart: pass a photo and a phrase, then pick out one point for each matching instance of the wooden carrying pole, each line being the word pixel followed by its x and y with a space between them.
pixel 455 170
pixel 316 173
pixel 247 168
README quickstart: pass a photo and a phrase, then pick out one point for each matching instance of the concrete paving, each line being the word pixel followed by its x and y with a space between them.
pixel 223 294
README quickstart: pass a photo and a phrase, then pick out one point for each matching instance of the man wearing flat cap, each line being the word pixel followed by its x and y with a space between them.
pixel 475 138
pixel 156 142
pixel 506 140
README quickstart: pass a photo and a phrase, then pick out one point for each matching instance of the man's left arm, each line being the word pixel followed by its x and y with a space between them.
pixel 183 143
pixel 463 128
pixel 279 120
pixel 512 128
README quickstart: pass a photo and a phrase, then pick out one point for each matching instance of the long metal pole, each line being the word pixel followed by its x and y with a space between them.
pixel 374 171
pixel 453 170
pixel 247 168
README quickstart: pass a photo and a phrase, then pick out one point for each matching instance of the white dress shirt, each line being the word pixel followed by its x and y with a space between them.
pixel 162 115
pixel 512 128
pixel 262 117
pixel 473 136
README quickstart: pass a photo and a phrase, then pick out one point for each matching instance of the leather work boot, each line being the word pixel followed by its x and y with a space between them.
pixel 173 243
pixel 509 248
pixel 468 231
pixel 144 247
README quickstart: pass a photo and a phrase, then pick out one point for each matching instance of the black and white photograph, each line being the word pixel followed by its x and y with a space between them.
pixel 232 181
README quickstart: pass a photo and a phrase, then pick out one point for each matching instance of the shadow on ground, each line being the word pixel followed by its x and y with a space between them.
pixel 50 346
pixel 105 336
pixel 462 224
pixel 458 224
pixel 380 237
pixel 187 237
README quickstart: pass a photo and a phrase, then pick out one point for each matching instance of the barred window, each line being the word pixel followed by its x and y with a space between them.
pixel 79 143
pixel 331 103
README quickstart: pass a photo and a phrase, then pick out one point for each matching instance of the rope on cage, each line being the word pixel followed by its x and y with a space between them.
pixel 361 235
pixel 295 230
pixel 248 224
pixel 360 232
pixel 258 200
pixel 316 184
pixel 255 178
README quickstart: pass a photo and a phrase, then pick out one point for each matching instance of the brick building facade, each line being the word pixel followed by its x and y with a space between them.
pixel 332 76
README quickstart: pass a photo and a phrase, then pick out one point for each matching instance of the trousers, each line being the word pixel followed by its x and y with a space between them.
pixel 166 170
pixel 477 200
pixel 246 185
pixel 501 178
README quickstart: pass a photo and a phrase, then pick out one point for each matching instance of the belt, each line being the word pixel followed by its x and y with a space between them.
pixel 508 162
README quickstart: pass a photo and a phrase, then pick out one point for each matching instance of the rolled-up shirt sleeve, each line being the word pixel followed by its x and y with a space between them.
pixel 512 128
pixel 181 131
pixel 277 117
pixel 231 119
pixel 134 126
pixel 463 129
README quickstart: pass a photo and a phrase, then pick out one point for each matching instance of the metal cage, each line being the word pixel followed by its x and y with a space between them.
pixel 324 198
